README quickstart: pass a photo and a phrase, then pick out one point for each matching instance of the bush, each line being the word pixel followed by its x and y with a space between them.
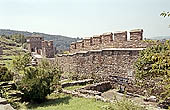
pixel 39 81
pixel 153 70
pixel 5 74
pixel 21 62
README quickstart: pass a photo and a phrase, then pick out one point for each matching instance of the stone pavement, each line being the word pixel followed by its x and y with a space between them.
pixel 4 105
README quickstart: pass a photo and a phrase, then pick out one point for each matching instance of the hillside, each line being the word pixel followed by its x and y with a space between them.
pixel 160 37
pixel 60 42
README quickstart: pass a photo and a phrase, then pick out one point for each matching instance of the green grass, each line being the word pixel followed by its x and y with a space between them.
pixel 74 87
pixel 67 102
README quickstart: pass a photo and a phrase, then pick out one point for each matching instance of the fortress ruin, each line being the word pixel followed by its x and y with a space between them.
pixel 40 46
pixel 109 54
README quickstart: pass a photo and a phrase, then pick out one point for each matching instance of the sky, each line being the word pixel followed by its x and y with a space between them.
pixel 85 18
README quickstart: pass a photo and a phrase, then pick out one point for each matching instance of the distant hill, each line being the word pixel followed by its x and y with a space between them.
pixel 60 42
pixel 160 37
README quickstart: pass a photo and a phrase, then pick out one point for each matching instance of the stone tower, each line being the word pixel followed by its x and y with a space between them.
pixel 48 49
pixel 34 43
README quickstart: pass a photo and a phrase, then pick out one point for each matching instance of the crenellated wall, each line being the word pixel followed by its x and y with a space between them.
pixel 101 55
pixel 110 40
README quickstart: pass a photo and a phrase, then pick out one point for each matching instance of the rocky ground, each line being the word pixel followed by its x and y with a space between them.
pixel 4 105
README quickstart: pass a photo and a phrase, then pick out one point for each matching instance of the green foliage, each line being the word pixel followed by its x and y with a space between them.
pixel 165 14
pixel 39 81
pixel 18 38
pixel 124 104
pixel 5 74
pixel 153 68
pixel 20 62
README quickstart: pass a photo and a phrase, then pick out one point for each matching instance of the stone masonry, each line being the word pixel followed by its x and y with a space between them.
pixel 110 40
pixel 104 56
pixel 34 42
pixel 40 46
pixel 47 49
pixel 1 50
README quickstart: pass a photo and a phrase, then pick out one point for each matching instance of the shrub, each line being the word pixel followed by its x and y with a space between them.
pixel 39 81
pixel 5 74
pixel 21 62
pixel 153 70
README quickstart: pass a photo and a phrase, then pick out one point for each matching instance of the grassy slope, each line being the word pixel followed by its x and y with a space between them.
pixel 11 53
pixel 67 102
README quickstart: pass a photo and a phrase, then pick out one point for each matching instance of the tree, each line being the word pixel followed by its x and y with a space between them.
pixel 39 81
pixel 21 62
pixel 153 70
pixel 165 14
pixel 5 74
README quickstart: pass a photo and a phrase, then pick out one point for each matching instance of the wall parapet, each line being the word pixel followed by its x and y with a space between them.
pixel 109 39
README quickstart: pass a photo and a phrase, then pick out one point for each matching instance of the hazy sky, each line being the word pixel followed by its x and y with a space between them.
pixel 85 18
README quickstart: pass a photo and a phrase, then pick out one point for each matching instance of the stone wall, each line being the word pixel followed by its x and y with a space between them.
pixel 110 40
pixel 34 42
pixel 47 49
pixel 102 56
pixel 1 51
pixel 102 63
pixel 40 46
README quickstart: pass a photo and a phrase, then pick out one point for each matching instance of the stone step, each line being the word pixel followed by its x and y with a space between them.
pixel 6 107
pixel 14 93
pixel 3 101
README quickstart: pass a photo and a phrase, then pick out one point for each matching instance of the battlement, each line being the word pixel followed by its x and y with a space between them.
pixel 106 40
pixel 47 44
pixel 87 42
pixel 34 38
pixel 136 34
pixel 120 36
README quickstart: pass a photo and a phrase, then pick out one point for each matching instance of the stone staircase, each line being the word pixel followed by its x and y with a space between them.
pixel 9 92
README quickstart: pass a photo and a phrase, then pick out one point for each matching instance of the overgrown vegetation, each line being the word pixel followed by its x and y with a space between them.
pixel 39 81
pixel 5 74
pixel 153 70
pixel 18 38
pixel 124 104
pixel 20 62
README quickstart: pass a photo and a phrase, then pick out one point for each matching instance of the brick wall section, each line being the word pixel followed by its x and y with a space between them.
pixel 120 36
pixel 103 56
pixel 79 45
pixel 136 34
pixel 47 49
pixel 106 38
pixel 1 51
pixel 72 47
pixel 112 61
pixel 96 40
pixel 34 42
pixel 87 43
